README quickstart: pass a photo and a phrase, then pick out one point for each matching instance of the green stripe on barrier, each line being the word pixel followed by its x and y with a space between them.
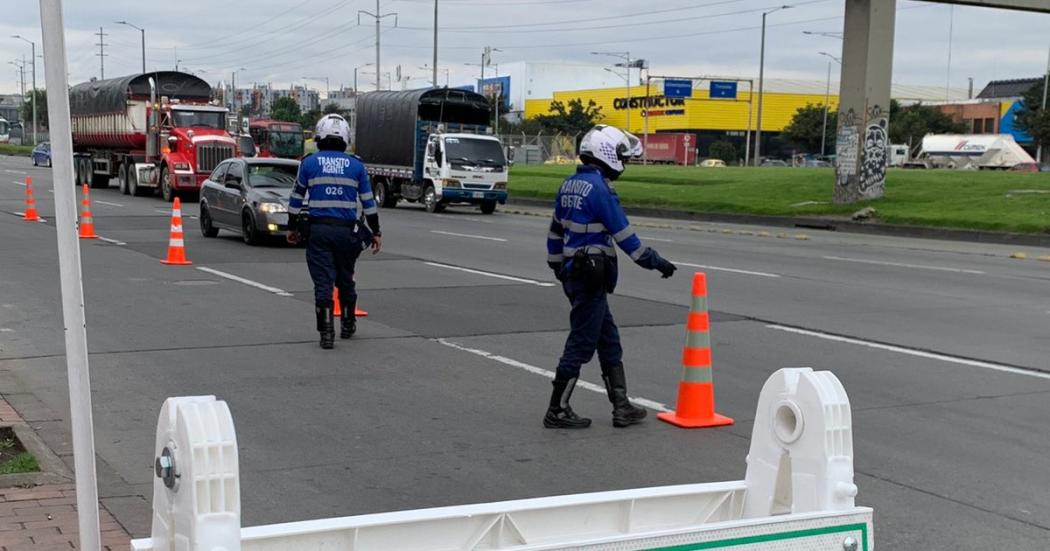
pixel 751 540
pixel 698 339
pixel 699 304
pixel 697 375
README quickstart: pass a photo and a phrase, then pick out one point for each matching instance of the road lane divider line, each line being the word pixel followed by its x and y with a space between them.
pixel 470 236
pixel 14 171
pixel 904 265
pixel 912 352
pixel 113 241
pixel 239 279
pixel 657 239
pixel 731 270
pixel 97 202
pixel 644 402
pixel 490 274
pixel 16 182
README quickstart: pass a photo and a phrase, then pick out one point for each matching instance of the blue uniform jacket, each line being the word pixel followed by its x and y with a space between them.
pixel 330 183
pixel 588 216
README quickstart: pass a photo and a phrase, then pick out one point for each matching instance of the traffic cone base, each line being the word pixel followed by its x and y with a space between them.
pixel 338 310
pixel 360 313
pixel 696 407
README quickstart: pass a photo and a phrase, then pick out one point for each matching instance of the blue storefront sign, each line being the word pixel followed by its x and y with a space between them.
pixel 678 88
pixel 496 89
pixel 723 89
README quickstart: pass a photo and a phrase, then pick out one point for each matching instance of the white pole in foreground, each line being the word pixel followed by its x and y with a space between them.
pixel 53 30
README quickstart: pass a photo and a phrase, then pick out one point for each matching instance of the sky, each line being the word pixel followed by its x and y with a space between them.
pixel 303 41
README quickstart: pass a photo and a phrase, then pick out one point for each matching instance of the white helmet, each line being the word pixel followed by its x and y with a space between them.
pixel 610 146
pixel 332 126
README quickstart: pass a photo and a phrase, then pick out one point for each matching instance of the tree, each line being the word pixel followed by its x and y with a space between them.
pixel 41 109
pixel 807 128
pixel 1032 118
pixel 909 124
pixel 332 108
pixel 572 118
pixel 285 109
pixel 725 151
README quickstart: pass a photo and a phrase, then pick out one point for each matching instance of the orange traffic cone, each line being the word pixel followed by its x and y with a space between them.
pixel 176 243
pixel 338 310
pixel 696 390
pixel 87 222
pixel 30 215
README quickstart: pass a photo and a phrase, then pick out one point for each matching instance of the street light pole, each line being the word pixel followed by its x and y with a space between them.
pixel 378 17
pixel 827 101
pixel 33 94
pixel 626 57
pixel 435 79
pixel 1046 85
pixel 143 33
pixel 761 84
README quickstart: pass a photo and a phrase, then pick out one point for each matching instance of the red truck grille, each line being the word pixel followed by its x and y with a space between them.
pixel 211 154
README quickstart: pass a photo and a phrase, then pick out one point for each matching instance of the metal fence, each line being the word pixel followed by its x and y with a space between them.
pixel 541 148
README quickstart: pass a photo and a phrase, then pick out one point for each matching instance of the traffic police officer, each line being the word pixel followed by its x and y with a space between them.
pixel 587 220
pixel 330 184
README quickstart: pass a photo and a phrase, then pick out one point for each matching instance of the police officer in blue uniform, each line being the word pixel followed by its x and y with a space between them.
pixel 587 220
pixel 330 184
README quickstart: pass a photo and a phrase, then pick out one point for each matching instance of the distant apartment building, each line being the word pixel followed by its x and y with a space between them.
pixel 262 96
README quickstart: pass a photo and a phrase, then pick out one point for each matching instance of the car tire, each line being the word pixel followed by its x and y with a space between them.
pixel 488 207
pixel 35 163
pixel 122 178
pixel 249 234
pixel 207 228
pixel 166 190
pixel 49 161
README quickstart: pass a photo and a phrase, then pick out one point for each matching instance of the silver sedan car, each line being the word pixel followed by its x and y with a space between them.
pixel 249 196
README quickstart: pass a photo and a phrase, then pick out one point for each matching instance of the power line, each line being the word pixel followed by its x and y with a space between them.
pixel 254 30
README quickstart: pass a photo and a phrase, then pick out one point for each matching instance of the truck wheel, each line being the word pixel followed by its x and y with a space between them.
pixel 488 207
pixel 166 190
pixel 430 200
pixel 133 182
pixel 78 171
pixel 384 197
pixel 122 178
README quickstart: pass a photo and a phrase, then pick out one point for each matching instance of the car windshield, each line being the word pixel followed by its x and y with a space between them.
pixel 468 151
pixel 282 176
pixel 199 119
pixel 286 144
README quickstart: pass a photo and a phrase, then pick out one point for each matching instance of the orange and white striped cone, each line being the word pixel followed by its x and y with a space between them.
pixel 696 390
pixel 30 214
pixel 176 242
pixel 87 222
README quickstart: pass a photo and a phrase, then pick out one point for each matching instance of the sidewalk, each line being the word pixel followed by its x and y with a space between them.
pixel 44 518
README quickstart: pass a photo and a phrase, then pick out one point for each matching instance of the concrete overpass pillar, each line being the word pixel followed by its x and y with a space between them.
pixel 864 108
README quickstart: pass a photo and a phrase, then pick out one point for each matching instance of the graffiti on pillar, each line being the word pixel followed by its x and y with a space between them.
pixel 876 143
pixel 847 148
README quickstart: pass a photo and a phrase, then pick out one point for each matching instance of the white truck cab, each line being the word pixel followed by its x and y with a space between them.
pixel 466 168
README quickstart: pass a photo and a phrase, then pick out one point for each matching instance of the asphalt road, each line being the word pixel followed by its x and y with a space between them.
pixel 942 347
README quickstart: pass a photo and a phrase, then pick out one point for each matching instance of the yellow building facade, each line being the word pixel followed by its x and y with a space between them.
pixel 697 113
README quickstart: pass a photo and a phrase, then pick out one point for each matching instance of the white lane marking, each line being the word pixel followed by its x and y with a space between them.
pixel 17 183
pixel 721 269
pixel 490 274
pixel 113 241
pixel 912 352
pixel 454 234
pixel 239 279
pixel 646 238
pixel 644 402
pixel 902 265
pixel 110 204
pixel 468 218
pixel 14 171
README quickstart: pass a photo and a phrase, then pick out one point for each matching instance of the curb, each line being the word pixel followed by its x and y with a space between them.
pixel 845 226
pixel 52 469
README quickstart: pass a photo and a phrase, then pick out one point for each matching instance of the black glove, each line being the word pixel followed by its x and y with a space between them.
pixel 665 267
pixel 651 260
pixel 556 267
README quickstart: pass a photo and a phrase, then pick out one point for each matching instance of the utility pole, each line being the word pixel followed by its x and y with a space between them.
pixel 101 53
pixel 33 66
pixel 435 79
pixel 378 17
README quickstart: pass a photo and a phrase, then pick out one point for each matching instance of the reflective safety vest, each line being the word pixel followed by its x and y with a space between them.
pixel 331 183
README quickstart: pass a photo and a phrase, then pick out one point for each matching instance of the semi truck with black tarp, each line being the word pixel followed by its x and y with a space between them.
pixel 431 146
pixel 158 130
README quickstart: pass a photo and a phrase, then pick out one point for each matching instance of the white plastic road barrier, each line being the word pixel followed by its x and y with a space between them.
pixel 798 495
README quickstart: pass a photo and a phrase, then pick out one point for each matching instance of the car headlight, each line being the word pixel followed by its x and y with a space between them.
pixel 182 166
pixel 271 208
